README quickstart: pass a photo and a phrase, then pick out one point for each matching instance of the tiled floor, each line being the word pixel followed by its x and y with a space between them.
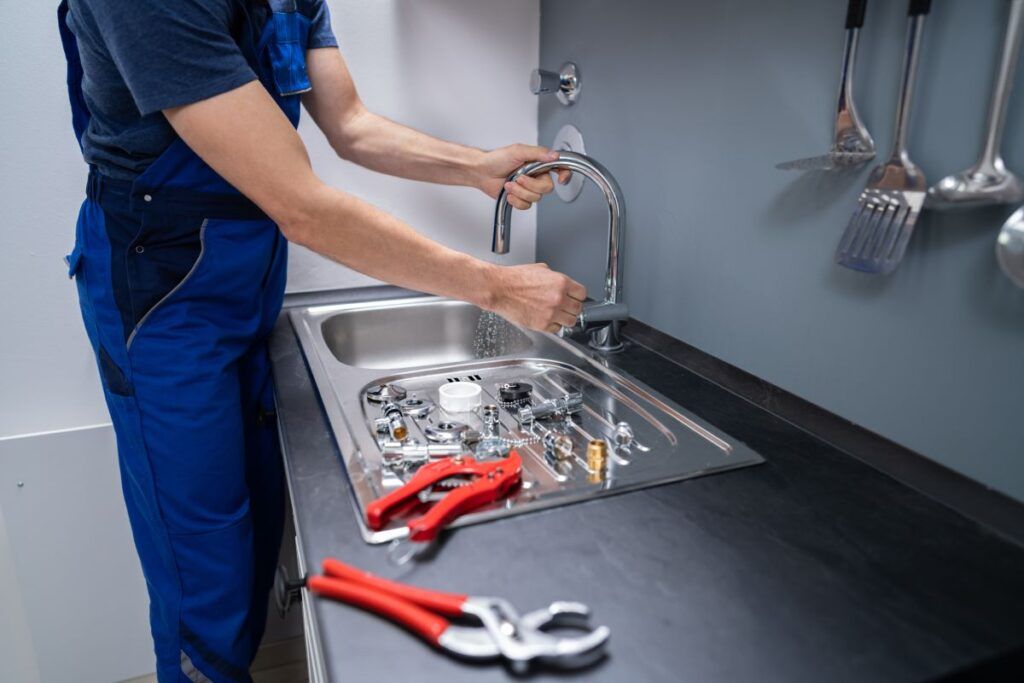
pixel 280 662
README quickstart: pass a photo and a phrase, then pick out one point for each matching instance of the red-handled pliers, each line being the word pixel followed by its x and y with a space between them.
pixel 520 639
pixel 488 481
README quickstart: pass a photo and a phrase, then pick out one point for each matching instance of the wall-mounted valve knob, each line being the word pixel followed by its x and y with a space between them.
pixel 566 84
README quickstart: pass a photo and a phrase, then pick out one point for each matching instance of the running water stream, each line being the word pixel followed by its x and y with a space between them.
pixel 494 336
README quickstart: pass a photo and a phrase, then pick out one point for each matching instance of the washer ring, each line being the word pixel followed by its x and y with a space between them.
pixel 416 407
pixel 445 432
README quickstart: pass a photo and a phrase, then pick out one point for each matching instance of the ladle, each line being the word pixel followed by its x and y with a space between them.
pixel 1010 247
pixel 989 181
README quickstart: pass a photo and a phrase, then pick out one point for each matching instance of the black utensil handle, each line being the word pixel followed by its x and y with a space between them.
pixel 855 13
pixel 919 7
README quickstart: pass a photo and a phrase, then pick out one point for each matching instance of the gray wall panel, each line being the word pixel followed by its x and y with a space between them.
pixel 690 104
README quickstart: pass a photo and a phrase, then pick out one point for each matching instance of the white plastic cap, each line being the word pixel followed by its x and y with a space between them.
pixel 460 397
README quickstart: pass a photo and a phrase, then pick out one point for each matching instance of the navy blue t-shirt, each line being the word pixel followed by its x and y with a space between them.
pixel 143 56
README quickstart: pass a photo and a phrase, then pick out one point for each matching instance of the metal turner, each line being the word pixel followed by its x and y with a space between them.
pixel 852 144
pixel 879 230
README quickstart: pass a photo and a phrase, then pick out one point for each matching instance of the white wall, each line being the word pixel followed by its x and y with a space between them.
pixel 454 68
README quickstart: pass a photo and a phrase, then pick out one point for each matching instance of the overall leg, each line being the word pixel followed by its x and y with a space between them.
pixel 265 478
pixel 265 470
pixel 177 405
pixel 191 424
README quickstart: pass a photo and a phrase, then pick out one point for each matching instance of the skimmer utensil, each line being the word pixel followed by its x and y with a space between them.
pixel 852 144
pixel 879 230
pixel 988 181
pixel 1010 247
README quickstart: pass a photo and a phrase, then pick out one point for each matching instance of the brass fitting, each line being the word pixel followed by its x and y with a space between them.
pixel 597 460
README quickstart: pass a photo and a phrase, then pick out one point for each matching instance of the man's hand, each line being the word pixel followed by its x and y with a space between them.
pixel 495 166
pixel 537 297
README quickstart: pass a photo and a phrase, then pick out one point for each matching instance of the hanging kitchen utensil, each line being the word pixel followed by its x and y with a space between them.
pixel 988 181
pixel 1010 247
pixel 879 230
pixel 852 144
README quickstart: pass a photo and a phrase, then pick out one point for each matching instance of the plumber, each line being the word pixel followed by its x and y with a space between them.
pixel 186 112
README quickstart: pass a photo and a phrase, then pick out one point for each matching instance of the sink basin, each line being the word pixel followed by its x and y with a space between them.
pixel 419 344
pixel 418 334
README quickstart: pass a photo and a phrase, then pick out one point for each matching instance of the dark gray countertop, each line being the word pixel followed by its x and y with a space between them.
pixel 810 567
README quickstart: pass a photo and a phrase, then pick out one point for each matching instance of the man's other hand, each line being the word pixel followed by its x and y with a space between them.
pixel 537 297
pixel 497 165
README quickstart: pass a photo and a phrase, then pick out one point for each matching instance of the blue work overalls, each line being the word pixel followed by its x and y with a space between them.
pixel 180 280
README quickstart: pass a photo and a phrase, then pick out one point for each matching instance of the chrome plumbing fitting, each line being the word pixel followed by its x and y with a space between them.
pixel 557 446
pixel 623 435
pixel 491 420
pixel 563 405
pixel 395 421
pixel 385 393
pixel 492 448
pixel 491 445
pixel 405 454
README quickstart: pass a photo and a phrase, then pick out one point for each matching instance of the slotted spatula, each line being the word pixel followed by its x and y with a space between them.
pixel 879 230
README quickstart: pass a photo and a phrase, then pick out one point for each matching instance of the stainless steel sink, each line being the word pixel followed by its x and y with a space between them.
pixel 419 334
pixel 422 343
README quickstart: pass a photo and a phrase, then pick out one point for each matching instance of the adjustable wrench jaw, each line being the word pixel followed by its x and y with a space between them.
pixel 470 642
pixel 522 640
pixel 566 652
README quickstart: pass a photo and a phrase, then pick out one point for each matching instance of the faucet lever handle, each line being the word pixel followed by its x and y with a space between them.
pixel 597 314
pixel 565 84
pixel 544 82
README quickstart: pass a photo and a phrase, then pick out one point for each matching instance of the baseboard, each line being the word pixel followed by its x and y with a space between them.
pixel 1000 513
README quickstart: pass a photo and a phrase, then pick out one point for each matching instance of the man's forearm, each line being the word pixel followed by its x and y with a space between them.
pixel 375 142
pixel 382 145
pixel 375 243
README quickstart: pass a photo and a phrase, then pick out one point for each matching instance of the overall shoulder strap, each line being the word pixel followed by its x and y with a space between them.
pixel 79 109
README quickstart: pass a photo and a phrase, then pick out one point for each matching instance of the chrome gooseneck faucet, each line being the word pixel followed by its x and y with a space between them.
pixel 602 319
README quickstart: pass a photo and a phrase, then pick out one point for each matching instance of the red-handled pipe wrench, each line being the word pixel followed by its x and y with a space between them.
pixel 470 483
pixel 503 632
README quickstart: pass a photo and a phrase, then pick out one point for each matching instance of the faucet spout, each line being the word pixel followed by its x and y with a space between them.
pixel 607 337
